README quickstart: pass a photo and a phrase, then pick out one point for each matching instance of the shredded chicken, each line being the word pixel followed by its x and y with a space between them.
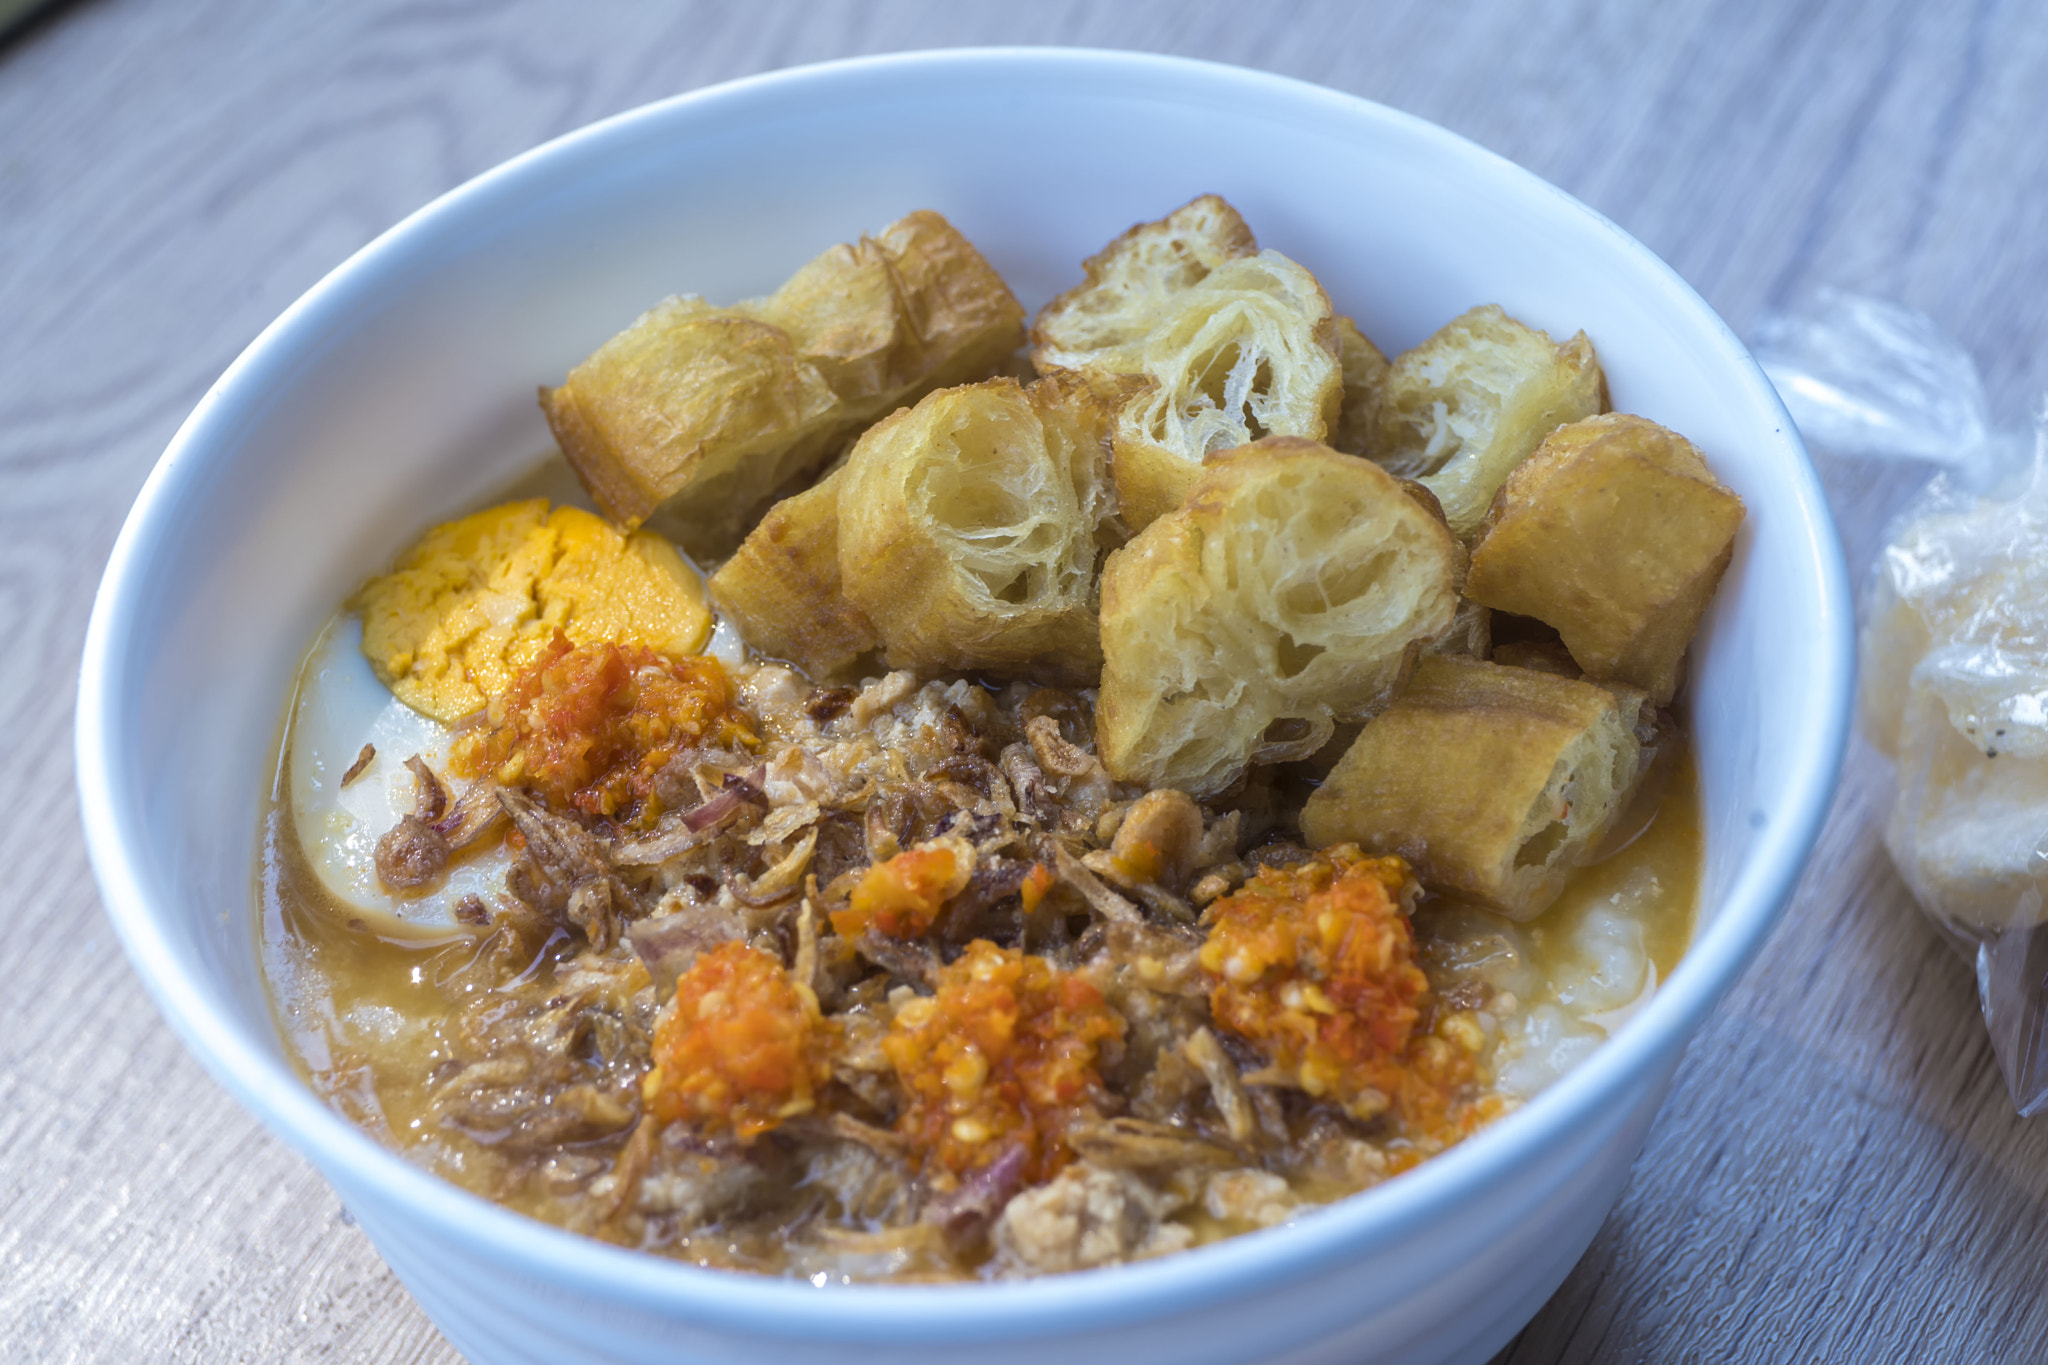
pixel 1087 1217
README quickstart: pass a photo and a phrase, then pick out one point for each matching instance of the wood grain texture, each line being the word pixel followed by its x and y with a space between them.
pixel 1838 1174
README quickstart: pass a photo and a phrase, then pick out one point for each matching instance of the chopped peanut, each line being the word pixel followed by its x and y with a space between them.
pixel 1157 839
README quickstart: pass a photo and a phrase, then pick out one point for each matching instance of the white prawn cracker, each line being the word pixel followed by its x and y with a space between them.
pixel 1955 641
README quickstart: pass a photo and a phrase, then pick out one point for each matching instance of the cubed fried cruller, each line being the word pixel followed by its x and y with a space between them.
pixel 1366 369
pixel 1206 343
pixel 782 586
pixel 1494 782
pixel 1616 534
pixel 1295 585
pixel 696 415
pixel 962 533
pixel 1461 410
pixel 970 527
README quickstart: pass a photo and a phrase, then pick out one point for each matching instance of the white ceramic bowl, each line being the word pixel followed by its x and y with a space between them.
pixel 400 391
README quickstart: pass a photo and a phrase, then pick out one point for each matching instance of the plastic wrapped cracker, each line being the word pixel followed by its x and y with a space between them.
pixel 1955 642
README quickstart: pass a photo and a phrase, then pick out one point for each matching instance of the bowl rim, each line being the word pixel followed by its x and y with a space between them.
pixel 794 1309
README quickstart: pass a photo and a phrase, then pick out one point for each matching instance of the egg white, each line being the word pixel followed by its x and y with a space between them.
pixel 341 707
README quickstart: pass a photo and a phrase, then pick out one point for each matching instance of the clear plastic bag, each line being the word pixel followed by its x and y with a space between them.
pixel 1954 640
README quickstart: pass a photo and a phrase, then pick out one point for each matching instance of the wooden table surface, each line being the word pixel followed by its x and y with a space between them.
pixel 1838 1174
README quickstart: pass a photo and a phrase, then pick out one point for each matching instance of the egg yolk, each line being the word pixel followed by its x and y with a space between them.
pixel 477 600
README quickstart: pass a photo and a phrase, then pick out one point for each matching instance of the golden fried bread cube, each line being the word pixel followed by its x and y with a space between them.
pixel 782 587
pixel 695 416
pixel 970 525
pixel 1616 533
pixel 691 397
pixel 894 316
pixel 1494 782
pixel 1465 407
pixel 1104 322
pixel 1365 368
pixel 1291 591
pixel 1541 656
pixel 1205 341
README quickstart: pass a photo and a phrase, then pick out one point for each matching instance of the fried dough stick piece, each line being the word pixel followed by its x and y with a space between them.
pixel 1365 369
pixel 1295 585
pixel 696 415
pixel 1494 782
pixel 1206 342
pixel 1461 410
pixel 970 526
pixel 782 586
pixel 1615 533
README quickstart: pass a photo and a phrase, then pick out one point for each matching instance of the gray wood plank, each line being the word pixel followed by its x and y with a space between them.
pixel 1837 1175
